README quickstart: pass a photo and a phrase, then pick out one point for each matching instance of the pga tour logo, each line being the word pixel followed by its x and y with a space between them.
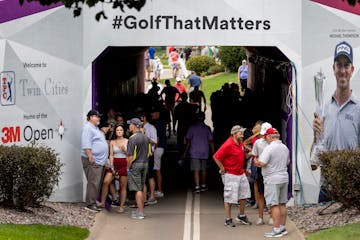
pixel 7 88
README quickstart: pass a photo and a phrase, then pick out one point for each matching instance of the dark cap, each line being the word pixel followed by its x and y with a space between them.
pixel 136 122
pixel 92 113
pixel 344 49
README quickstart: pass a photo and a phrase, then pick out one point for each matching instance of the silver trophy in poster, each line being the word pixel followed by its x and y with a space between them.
pixel 319 98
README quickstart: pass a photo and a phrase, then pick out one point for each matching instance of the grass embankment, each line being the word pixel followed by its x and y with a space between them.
pixel 348 232
pixel 42 232
pixel 210 84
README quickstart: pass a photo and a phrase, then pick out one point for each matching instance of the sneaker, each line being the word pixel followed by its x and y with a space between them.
pixel 271 221
pixel 283 230
pixel 255 206
pixel 273 234
pixel 229 223
pixel 120 210
pixel 203 188
pixel 244 220
pixel 159 194
pixel 92 208
pixel 197 189
pixel 115 203
pixel 260 221
pixel 152 201
pixel 137 215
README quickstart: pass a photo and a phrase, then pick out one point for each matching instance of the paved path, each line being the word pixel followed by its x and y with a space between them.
pixel 182 215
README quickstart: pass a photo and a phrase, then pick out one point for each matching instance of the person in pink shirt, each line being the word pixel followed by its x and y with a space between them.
pixel 174 57
pixel 180 87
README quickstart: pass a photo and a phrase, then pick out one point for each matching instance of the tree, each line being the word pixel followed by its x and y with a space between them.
pixel 231 57
pixel 77 5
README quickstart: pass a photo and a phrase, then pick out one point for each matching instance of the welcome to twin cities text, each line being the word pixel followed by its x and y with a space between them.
pixel 48 86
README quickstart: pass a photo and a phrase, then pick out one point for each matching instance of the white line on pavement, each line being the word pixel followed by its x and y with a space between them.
pixel 187 221
pixel 196 217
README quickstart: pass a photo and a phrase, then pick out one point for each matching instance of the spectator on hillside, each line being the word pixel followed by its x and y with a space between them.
pixel 194 81
pixel 174 58
pixel 180 87
pixel 197 97
pixel 243 75
pixel 170 94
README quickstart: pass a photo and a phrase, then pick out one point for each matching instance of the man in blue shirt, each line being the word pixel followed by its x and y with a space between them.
pixel 242 75
pixel 194 81
pixel 94 154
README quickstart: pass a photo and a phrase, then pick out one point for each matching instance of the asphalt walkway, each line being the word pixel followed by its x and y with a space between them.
pixel 183 215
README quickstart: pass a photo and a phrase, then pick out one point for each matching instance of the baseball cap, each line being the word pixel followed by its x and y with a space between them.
pixel 178 79
pixel 344 49
pixel 265 126
pixel 92 113
pixel 237 128
pixel 136 122
pixel 271 131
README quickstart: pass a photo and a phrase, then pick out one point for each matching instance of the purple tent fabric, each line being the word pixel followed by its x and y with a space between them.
pixel 11 9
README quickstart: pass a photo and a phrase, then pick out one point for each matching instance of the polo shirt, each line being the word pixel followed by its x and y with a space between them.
pixel 138 146
pixel 259 147
pixel 92 138
pixel 276 156
pixel 243 71
pixel 150 132
pixel 232 156
pixel 342 124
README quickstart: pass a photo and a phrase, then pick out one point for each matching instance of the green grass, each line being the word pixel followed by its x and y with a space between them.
pixel 210 84
pixel 348 232
pixel 161 53
pixel 214 83
pixel 41 232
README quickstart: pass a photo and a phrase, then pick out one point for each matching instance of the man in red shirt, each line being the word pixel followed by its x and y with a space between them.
pixel 230 158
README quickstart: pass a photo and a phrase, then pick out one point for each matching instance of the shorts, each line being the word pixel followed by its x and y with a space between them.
pixel 175 66
pixel 158 153
pixel 235 187
pixel 137 176
pixel 276 194
pixel 152 64
pixel 120 165
pixel 197 164
pixel 260 181
pixel 150 172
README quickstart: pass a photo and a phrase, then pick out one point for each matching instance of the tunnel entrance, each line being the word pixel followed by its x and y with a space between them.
pixel 118 81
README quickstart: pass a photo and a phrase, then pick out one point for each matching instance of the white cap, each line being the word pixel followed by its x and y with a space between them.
pixel 178 79
pixel 264 127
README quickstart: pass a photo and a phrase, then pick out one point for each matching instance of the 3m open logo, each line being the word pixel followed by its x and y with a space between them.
pixel 7 88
